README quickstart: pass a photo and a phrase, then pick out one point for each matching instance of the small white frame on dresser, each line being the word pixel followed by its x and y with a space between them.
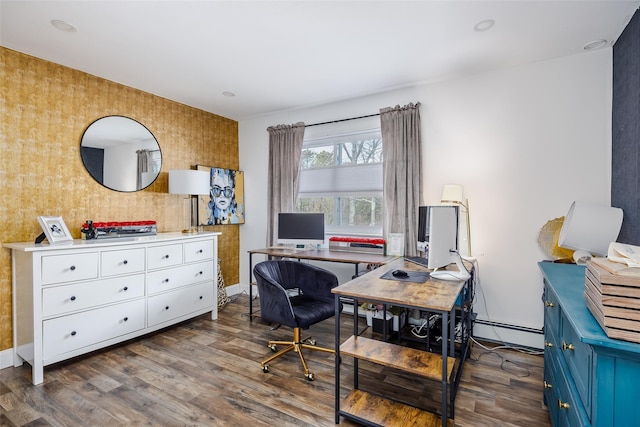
pixel 89 294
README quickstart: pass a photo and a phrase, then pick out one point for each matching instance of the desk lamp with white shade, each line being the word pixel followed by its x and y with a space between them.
pixel 588 229
pixel 190 183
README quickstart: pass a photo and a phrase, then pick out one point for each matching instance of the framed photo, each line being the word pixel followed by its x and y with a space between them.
pixel 55 229
pixel 225 203
pixel 395 244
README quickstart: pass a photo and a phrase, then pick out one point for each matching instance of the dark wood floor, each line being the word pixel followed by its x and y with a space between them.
pixel 207 373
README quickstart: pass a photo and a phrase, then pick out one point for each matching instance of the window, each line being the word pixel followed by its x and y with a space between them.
pixel 341 175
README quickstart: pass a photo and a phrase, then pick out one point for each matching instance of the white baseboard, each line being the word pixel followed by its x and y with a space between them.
pixel 508 336
pixel 239 288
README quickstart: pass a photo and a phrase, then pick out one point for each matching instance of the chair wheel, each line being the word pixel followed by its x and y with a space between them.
pixel 272 347
pixel 265 369
pixel 311 341
pixel 310 376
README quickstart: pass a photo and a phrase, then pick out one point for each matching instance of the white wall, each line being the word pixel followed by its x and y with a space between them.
pixel 524 142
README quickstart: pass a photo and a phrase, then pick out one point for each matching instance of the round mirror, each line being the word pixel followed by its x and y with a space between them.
pixel 120 153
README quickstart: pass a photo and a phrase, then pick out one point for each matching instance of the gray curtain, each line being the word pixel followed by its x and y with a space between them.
pixel 402 172
pixel 285 149
pixel 143 166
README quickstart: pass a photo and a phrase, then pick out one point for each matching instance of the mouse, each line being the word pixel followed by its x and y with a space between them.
pixel 399 273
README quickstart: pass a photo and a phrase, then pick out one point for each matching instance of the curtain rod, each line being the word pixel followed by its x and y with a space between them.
pixel 342 120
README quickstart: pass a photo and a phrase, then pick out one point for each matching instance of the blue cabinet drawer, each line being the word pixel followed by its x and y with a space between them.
pixel 551 310
pixel 562 399
pixel 550 386
pixel 579 359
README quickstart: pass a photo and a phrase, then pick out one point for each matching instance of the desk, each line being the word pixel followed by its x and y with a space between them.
pixel 345 257
pixel 435 296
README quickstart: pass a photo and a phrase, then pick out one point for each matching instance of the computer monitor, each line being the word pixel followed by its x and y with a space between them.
pixel 300 228
pixel 438 226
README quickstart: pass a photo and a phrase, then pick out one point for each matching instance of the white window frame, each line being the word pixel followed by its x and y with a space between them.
pixel 340 181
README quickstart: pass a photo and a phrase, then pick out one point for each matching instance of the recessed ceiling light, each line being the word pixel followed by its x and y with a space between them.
pixel 63 26
pixel 596 44
pixel 485 25
pixel 229 94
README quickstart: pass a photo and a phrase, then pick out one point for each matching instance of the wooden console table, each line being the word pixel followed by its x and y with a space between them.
pixel 340 256
pixel 434 295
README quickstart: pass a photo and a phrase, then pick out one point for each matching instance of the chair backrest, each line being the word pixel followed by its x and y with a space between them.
pixel 275 277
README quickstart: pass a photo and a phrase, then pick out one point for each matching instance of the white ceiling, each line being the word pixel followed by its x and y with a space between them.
pixel 285 55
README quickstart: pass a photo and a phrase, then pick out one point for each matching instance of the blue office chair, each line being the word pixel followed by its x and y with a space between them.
pixel 297 295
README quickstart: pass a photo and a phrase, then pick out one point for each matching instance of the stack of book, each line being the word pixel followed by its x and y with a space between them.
pixel 612 293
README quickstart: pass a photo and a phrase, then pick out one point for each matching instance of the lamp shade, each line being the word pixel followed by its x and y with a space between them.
pixel 452 194
pixel 189 182
pixel 590 227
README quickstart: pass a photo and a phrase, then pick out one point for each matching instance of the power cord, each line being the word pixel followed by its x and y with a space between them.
pixel 525 372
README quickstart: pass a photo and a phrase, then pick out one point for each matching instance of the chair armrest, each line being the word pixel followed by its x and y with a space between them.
pixel 317 282
pixel 275 305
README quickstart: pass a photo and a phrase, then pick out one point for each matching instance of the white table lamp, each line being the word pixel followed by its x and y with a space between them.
pixel 191 183
pixel 453 194
pixel 589 229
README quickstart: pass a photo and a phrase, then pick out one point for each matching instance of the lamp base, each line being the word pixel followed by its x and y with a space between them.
pixel 581 257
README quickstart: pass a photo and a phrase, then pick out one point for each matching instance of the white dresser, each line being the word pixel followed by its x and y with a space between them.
pixel 75 298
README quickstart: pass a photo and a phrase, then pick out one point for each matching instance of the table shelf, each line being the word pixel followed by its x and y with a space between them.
pixel 378 411
pixel 417 362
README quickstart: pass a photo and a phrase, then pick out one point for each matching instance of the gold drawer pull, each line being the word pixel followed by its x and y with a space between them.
pixel 548 385
pixel 548 344
pixel 563 405
pixel 549 304
pixel 566 346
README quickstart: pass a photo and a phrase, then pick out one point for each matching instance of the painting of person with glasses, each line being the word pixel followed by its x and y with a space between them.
pixel 223 206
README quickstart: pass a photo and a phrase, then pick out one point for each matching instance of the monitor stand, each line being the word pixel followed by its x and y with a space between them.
pixel 461 274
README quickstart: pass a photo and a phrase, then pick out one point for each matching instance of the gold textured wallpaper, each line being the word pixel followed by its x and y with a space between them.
pixel 44 110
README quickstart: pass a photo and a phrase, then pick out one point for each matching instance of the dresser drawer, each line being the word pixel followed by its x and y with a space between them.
pixel 171 278
pixel 563 402
pixel 69 267
pixel 69 333
pixel 114 263
pixel 58 300
pixel 579 358
pixel 198 251
pixel 551 310
pixel 164 256
pixel 170 305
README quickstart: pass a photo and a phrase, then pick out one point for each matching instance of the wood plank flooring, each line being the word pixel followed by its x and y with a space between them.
pixel 207 373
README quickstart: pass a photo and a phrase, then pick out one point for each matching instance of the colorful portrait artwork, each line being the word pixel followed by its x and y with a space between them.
pixel 225 204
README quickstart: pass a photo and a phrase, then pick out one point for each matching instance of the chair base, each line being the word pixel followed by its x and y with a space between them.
pixel 296 345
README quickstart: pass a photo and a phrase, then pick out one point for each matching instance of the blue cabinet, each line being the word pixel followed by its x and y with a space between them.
pixel 589 379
